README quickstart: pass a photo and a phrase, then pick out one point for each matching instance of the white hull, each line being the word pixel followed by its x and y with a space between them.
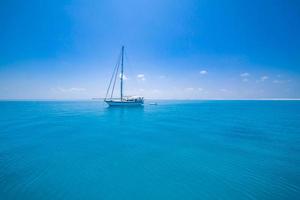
pixel 124 103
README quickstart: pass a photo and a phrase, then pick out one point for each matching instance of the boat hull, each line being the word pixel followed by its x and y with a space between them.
pixel 124 103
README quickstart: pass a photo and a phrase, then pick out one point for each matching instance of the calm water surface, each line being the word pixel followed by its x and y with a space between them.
pixel 175 150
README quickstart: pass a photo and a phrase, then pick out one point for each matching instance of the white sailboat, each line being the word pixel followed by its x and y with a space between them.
pixel 122 100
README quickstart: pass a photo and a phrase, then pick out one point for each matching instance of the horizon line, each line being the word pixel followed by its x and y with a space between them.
pixel 182 99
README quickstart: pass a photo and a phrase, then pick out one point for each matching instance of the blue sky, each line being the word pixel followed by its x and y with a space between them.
pixel 193 49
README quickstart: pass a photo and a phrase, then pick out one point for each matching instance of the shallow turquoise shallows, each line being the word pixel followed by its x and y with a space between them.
pixel 175 150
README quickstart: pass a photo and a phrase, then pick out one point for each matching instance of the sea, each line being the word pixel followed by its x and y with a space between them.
pixel 191 150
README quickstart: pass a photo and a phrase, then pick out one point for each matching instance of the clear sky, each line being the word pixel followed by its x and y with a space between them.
pixel 59 49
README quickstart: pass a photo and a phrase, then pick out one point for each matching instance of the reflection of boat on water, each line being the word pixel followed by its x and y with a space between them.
pixel 153 104
pixel 123 100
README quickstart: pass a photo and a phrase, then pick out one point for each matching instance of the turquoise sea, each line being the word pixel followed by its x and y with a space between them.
pixel 175 150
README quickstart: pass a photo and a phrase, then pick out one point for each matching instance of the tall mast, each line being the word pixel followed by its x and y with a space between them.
pixel 122 73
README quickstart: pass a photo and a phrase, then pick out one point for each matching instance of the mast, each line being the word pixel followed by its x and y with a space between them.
pixel 122 73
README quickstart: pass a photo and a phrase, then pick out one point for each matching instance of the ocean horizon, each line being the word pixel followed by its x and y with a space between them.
pixel 178 149
pixel 155 99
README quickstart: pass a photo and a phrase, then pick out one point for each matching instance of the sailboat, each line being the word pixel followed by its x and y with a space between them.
pixel 122 100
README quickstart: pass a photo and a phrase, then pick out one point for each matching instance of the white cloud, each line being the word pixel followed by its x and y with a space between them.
pixel 278 81
pixel 245 80
pixel 189 89
pixel 223 90
pixel 69 90
pixel 200 89
pixel 74 89
pixel 246 74
pixel 156 91
pixel 162 76
pixel 124 77
pixel 203 72
pixel 141 77
pixel 263 78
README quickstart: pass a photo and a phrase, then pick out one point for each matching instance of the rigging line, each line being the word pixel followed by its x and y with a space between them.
pixel 116 75
pixel 112 77
pixel 110 81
